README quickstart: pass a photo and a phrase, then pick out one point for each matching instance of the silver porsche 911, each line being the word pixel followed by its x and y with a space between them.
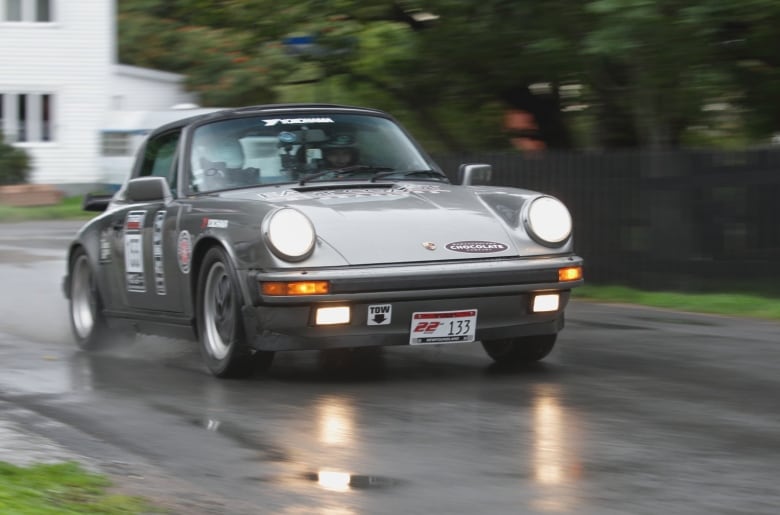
pixel 305 226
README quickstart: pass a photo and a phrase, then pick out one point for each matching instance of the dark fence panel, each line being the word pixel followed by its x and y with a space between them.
pixel 684 220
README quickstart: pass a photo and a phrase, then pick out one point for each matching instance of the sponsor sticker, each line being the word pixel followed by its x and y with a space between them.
pixel 282 195
pixel 296 121
pixel 357 194
pixel 184 251
pixel 380 314
pixel 104 243
pixel 157 253
pixel 476 247
pixel 134 251
pixel 423 188
pixel 213 223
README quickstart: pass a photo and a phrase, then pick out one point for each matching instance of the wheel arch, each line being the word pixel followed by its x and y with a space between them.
pixel 72 250
pixel 202 246
pixel 75 247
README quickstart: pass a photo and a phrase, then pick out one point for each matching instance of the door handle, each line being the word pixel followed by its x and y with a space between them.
pixel 118 225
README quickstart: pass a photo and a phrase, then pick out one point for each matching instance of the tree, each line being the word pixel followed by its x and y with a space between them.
pixel 645 70
pixel 747 40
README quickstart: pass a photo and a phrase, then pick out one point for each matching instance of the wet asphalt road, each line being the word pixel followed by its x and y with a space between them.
pixel 636 411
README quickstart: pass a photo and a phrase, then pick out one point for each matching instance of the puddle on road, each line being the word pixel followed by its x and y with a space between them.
pixel 242 438
pixel 343 481
pixel 331 480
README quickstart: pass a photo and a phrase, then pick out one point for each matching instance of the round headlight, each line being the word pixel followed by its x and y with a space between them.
pixel 290 234
pixel 548 220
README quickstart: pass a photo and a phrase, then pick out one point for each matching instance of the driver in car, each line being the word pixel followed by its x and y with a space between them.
pixel 340 152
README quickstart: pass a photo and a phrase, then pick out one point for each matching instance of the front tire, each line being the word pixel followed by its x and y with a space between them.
pixel 516 351
pixel 85 308
pixel 223 341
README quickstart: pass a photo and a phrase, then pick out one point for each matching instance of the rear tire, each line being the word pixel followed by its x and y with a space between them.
pixel 223 341
pixel 85 307
pixel 515 351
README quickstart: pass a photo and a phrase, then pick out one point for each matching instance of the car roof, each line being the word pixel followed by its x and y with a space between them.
pixel 228 113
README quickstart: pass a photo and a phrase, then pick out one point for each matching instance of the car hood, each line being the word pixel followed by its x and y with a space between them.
pixel 403 222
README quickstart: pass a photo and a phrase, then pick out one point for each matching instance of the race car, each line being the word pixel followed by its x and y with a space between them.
pixel 312 226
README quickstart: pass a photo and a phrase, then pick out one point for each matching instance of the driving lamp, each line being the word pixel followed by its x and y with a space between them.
pixel 545 303
pixel 332 315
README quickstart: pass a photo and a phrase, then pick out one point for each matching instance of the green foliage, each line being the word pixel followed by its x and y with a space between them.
pixel 646 70
pixel 14 164
pixel 222 65
pixel 61 489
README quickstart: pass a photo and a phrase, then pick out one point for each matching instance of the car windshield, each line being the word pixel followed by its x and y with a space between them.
pixel 271 149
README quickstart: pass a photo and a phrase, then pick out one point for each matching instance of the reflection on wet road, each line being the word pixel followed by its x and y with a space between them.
pixel 637 411
pixel 555 464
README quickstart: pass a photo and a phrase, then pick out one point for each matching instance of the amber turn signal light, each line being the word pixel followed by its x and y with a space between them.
pixel 570 273
pixel 295 288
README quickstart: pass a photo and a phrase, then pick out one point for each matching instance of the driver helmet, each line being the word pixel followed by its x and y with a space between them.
pixel 340 150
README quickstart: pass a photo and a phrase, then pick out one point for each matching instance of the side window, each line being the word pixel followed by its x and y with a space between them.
pixel 160 158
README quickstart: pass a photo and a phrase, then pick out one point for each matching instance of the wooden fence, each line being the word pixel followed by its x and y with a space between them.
pixel 688 220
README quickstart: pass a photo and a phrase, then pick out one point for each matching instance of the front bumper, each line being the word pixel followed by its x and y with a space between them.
pixel 500 290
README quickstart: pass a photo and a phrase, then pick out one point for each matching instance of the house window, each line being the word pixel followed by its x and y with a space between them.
pixel 13 10
pixel 27 117
pixel 114 144
pixel 43 10
pixel 27 10
pixel 21 118
pixel 46 117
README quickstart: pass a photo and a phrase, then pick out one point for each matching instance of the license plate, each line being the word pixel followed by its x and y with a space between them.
pixel 443 327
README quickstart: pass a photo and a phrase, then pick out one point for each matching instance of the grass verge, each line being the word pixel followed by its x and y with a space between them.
pixel 69 208
pixel 63 488
pixel 736 304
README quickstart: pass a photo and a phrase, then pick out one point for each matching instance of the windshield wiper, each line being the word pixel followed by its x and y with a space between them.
pixel 347 170
pixel 429 173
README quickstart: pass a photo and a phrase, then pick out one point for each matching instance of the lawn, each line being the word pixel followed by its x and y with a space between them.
pixel 62 489
pixel 737 304
pixel 69 208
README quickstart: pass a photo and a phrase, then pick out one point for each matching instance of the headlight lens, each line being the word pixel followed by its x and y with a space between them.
pixel 548 220
pixel 290 234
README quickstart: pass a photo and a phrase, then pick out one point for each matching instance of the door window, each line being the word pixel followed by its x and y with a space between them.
pixel 160 158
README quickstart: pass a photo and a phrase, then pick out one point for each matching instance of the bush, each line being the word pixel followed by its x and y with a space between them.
pixel 14 164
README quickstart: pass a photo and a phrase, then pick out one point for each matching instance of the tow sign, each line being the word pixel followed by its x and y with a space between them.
pixel 380 314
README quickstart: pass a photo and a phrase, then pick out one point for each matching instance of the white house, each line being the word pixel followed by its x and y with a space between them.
pixel 61 88
pixel 123 131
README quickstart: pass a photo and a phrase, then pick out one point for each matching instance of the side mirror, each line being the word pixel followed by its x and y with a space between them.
pixel 96 201
pixel 148 189
pixel 475 174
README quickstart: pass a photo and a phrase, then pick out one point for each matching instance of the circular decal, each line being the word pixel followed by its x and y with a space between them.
pixel 184 251
pixel 477 247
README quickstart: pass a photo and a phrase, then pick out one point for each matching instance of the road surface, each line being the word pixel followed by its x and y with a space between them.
pixel 637 410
